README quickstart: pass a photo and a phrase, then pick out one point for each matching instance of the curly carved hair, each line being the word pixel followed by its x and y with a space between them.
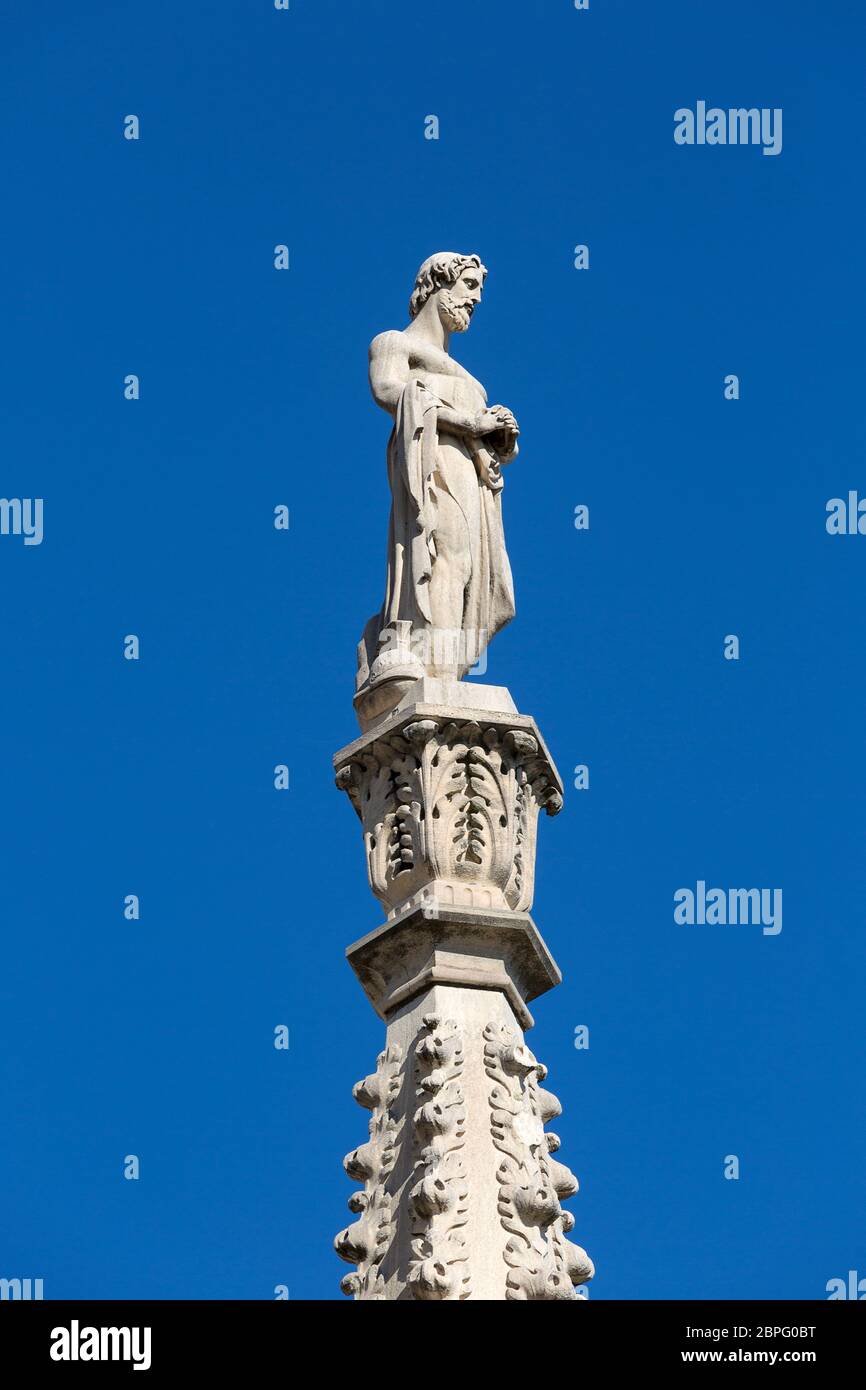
pixel 437 272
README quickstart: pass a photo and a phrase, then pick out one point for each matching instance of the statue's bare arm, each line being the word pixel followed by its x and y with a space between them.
pixel 390 372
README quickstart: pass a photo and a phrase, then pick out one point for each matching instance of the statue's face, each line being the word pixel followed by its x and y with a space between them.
pixel 457 302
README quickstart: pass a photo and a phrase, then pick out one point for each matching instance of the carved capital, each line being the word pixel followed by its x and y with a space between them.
pixel 449 807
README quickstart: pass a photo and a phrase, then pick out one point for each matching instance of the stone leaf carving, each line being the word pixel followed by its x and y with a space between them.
pixel 451 803
pixel 367 1240
pixel 543 1264
pixel 439 1193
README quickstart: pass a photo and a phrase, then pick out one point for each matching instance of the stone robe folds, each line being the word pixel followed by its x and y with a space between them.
pixel 429 473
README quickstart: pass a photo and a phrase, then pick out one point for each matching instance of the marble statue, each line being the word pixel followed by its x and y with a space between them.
pixel 448 588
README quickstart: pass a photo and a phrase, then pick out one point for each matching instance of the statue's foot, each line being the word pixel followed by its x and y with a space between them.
pixel 373 702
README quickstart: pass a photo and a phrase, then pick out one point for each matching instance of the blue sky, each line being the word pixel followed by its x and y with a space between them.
pixel 155 257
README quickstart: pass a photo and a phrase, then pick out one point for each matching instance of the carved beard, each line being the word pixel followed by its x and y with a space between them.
pixel 456 315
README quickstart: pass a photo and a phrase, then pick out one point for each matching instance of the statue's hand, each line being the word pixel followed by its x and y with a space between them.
pixel 485 422
pixel 505 418
pixel 503 440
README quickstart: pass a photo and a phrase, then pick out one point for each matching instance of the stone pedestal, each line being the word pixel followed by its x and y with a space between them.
pixel 460 1190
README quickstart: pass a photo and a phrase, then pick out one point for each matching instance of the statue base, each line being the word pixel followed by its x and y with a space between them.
pixel 373 703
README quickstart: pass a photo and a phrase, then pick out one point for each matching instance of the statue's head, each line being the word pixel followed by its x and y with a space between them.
pixel 455 283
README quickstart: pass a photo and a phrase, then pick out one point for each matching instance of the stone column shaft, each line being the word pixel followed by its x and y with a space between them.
pixel 461 1194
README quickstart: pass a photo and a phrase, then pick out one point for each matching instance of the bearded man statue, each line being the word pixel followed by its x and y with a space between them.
pixel 448 588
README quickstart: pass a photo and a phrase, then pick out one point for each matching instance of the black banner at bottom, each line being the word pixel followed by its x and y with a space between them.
pixel 153 1338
